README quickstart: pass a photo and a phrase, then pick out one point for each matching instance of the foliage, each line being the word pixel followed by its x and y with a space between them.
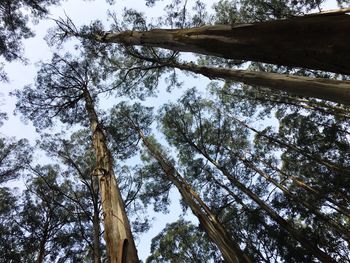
pixel 175 243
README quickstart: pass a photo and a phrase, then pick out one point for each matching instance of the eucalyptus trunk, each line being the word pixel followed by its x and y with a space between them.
pixel 317 41
pixel 326 89
pixel 119 241
pixel 96 226
pixel 229 249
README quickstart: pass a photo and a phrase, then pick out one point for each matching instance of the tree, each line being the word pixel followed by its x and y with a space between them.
pixel 14 28
pixel 67 89
pixel 135 117
pixel 11 236
pixel 327 89
pixel 46 219
pixel 320 42
pixel 81 185
pixel 198 127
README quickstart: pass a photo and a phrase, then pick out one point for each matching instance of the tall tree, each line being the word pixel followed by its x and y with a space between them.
pixel 135 117
pixel 190 126
pixel 68 90
pixel 320 42
pixel 82 191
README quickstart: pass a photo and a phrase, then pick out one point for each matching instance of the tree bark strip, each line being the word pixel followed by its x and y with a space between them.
pixel 327 89
pixel 116 223
pixel 230 250
pixel 316 42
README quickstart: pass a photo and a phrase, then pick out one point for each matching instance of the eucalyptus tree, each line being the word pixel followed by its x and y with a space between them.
pixel 197 126
pixel 77 156
pixel 139 34
pixel 272 42
pixel 47 221
pixel 136 117
pixel 68 90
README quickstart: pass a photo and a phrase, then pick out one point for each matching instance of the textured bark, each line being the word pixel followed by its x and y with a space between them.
pixel 327 89
pixel 321 88
pixel 317 42
pixel 230 250
pixel 322 256
pixel 96 228
pixel 119 241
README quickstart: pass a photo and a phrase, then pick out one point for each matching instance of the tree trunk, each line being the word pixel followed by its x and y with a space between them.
pixel 337 227
pixel 119 241
pixel 326 89
pixel 230 250
pixel 96 227
pixel 316 42
pixel 42 244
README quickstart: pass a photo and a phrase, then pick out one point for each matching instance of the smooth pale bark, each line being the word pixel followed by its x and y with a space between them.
pixel 318 42
pixel 321 88
pixel 229 249
pixel 119 241
pixel 326 89
pixel 96 224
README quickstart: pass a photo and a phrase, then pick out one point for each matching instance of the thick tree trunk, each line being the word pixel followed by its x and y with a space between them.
pixel 318 42
pixel 119 241
pixel 230 250
pixel 97 231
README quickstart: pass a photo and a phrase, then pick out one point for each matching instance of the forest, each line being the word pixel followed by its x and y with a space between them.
pixel 232 115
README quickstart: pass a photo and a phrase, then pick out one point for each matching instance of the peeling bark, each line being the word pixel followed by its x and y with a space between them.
pixel 326 89
pixel 116 223
pixel 230 250
pixel 318 42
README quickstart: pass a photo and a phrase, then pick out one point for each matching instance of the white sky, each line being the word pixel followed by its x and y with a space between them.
pixel 36 49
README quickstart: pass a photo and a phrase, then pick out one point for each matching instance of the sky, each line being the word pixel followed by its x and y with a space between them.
pixel 36 49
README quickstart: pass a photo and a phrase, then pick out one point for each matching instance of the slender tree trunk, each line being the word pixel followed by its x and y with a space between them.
pixel 120 243
pixel 327 163
pixel 42 244
pixel 322 256
pixel 337 227
pixel 326 89
pixel 230 250
pixel 96 229
pixel 317 42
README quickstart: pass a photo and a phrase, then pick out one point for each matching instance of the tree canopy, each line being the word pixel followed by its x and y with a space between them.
pixel 253 140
